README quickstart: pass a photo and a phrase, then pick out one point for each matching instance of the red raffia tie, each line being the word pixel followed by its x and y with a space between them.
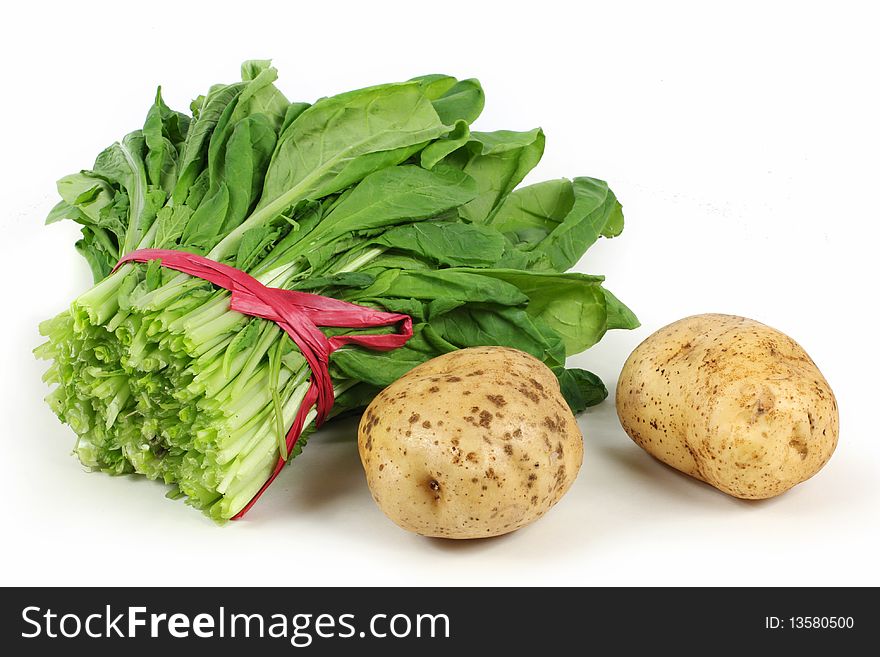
pixel 299 314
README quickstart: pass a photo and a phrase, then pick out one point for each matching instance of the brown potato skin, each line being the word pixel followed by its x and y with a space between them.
pixel 475 443
pixel 729 401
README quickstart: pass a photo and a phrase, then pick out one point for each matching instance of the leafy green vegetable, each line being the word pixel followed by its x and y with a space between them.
pixel 382 196
pixel 447 243
pixel 497 161
pixel 551 225
pixel 573 305
pixel 580 388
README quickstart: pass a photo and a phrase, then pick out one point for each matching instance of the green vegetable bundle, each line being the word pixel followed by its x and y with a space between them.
pixel 382 196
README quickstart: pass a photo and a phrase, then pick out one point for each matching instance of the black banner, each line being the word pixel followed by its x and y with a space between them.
pixel 431 621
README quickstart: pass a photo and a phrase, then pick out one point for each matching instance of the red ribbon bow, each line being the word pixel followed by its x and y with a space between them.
pixel 299 314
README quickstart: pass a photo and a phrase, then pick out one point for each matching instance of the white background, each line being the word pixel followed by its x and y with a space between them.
pixel 743 143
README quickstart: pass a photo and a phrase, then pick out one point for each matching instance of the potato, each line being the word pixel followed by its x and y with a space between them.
pixel 730 401
pixel 475 443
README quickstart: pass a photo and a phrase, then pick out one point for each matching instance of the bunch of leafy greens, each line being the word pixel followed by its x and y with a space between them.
pixel 381 196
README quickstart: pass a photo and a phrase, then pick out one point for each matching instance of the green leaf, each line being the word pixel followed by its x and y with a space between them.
pixel 558 221
pixel 353 279
pixel 580 388
pixel 437 342
pixel 260 96
pixel 475 325
pixel 199 190
pixel 334 132
pixel 437 307
pixel 240 145
pixel 170 224
pixel 463 101
pixel 497 161
pixel 440 148
pixel 243 340
pixel 253 244
pixel 531 213
pixel 571 304
pixel 203 226
pixel 323 252
pixel 461 286
pixel 381 368
pixel 434 85
pixel 506 141
pixel 164 133
pixel 361 167
pixel 97 248
pixel 246 159
pixel 153 274
pixel 193 157
pixel 453 100
pixel 447 243
pixel 86 197
pixel 292 114
pixel 391 195
pixel 619 316
pixel 124 164
pixel 391 260
pixel 63 210
pixel 412 307
pixel 114 195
